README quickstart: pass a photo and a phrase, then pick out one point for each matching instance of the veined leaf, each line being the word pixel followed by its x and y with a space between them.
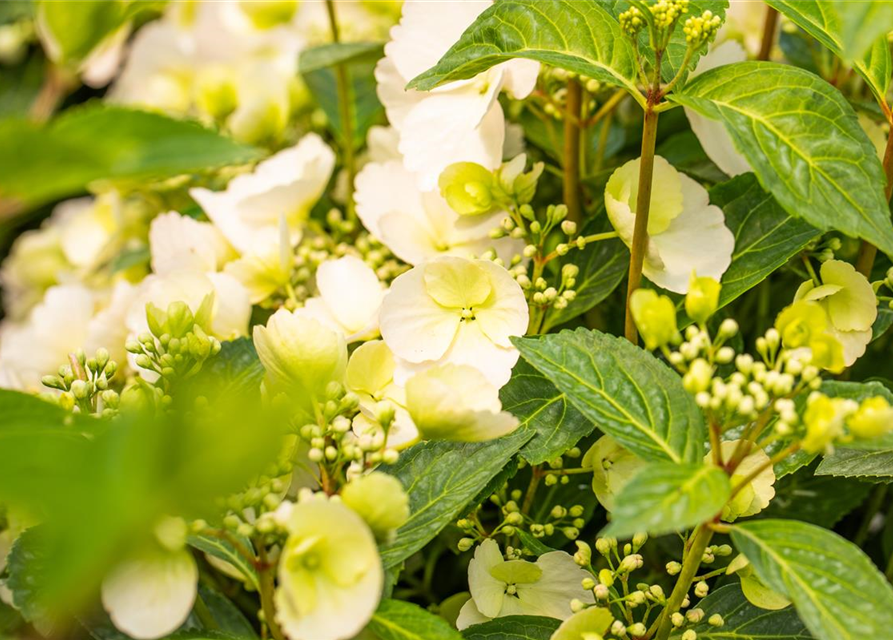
pixel 853 463
pixel 766 237
pixel 829 22
pixel 821 500
pixel 541 408
pixel 804 143
pixel 744 621
pixel 623 389
pixel 578 36
pixel 440 479
pixel 513 628
pixel 838 592
pixel 335 53
pixel 665 497
pixel 225 551
pixel 396 620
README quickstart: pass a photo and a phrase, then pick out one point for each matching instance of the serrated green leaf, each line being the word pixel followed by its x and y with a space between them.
pixel 541 408
pixel 816 499
pixel 825 22
pixel 229 618
pixel 396 620
pixel 335 53
pixel 665 497
pixel 440 478
pixel 99 142
pixel 853 463
pixel 744 621
pixel 578 36
pixel 225 551
pixel 513 628
pixel 838 592
pixel 533 544
pixel 804 143
pixel 766 237
pixel 623 389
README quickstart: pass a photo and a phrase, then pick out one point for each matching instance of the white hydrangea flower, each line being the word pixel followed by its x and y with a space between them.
pixel 330 573
pixel 150 595
pixel 712 134
pixel 457 402
pixel 290 182
pixel 458 311
pixel 181 243
pixel 851 303
pixel 744 21
pixel 419 225
pixel 685 232
pixel 759 492
pixel 501 587
pixel 350 297
pixel 461 121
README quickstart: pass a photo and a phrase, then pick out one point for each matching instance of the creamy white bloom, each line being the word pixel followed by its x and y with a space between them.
pixel 851 303
pixel 290 183
pixel 419 225
pixel 457 402
pixel 457 311
pixel 350 296
pixel 461 121
pixel 685 232
pixel 712 134
pixel 181 243
pixel 150 595
pixel 744 22
pixel 758 493
pixel 501 587
pixel 330 573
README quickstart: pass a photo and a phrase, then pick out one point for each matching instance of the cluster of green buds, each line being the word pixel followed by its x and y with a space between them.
pixel 376 255
pixel 887 283
pixel 632 21
pixel 666 13
pixel 84 383
pixel 177 344
pixel 699 30
pixel 552 94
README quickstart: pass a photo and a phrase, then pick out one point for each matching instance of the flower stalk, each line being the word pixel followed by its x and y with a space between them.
pixel 345 105
pixel 571 162
pixel 694 552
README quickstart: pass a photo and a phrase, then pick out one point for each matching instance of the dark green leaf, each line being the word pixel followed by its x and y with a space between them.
pixel 335 53
pixel 744 621
pixel 229 618
pixel 819 500
pixel 665 497
pixel 396 620
pixel 513 628
pixel 440 478
pixel 884 321
pixel 27 567
pixel 803 141
pixel 533 544
pixel 96 142
pixel 766 237
pixel 853 463
pixel 838 592
pixel 541 408
pixel 683 150
pixel 624 390
pixel 578 36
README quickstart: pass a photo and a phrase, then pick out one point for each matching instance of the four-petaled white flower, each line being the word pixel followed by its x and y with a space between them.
pixel 461 121
pixel 501 587
pixel 454 310
pixel 685 232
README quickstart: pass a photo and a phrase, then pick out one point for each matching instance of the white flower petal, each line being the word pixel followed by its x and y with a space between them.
pixel 519 77
pixel 505 313
pixel 351 291
pixel 410 239
pixel 469 615
pixel 559 584
pixel 389 87
pixel 486 591
pixel 384 188
pixel 180 243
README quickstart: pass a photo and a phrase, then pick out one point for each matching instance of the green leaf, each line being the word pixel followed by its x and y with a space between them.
pixel 531 543
pixel 853 463
pixel 665 497
pixel 225 551
pixel 578 36
pixel 883 323
pixel 335 53
pixel 838 592
pixel 825 22
pixel 744 621
pixel 766 237
pixel 541 408
pixel 627 392
pixel 820 500
pixel 73 29
pixel 440 479
pixel 97 142
pixel 513 628
pixel 228 617
pixel 803 141
pixel 396 620
pixel 26 569
pixel 235 370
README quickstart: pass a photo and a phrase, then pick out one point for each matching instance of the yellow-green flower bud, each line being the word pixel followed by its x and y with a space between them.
pixel 702 298
pixel 824 419
pixel 655 317
pixel 467 187
pixel 873 419
pixel 380 500
pixel 266 14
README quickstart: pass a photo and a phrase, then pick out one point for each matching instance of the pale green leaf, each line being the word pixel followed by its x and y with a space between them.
pixel 513 628
pixel 838 592
pixel 335 53
pixel 440 479
pixel 224 550
pixel 541 408
pixel 627 392
pixel 578 36
pixel 665 497
pixel 744 621
pixel 396 620
pixel 803 141
pixel 766 237
pixel 855 463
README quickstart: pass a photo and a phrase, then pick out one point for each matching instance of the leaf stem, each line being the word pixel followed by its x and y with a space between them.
pixel 868 252
pixel 345 105
pixel 769 28
pixel 691 562
pixel 267 586
pixel 643 206
pixel 571 159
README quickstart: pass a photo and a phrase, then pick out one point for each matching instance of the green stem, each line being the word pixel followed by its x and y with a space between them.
pixel 769 27
pixel 265 573
pixel 694 552
pixel 643 206
pixel 345 105
pixel 571 160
